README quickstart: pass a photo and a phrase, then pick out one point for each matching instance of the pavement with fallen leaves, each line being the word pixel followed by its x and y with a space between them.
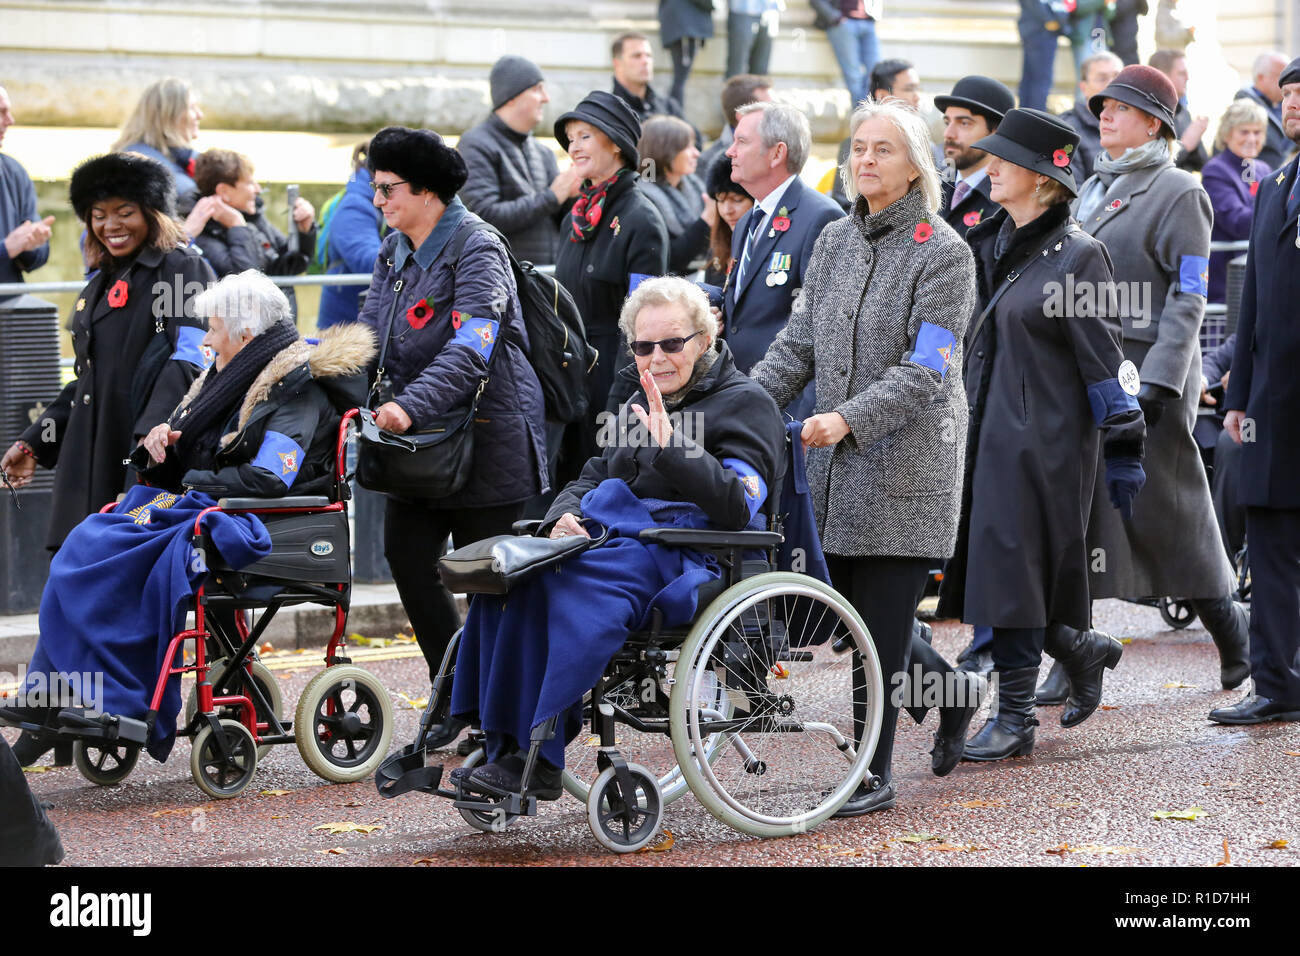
pixel 1146 780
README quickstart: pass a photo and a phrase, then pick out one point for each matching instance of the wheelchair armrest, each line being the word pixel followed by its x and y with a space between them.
pixel 705 538
pixel 527 525
pixel 251 504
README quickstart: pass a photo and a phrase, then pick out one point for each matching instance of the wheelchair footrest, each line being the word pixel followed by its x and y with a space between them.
pixel 106 726
pixel 512 804
pixel 406 771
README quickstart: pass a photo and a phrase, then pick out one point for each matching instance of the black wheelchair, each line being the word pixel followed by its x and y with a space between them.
pixel 767 707
pixel 343 722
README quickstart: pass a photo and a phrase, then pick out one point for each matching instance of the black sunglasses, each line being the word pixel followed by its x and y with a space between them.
pixel 12 490
pixel 670 346
pixel 386 188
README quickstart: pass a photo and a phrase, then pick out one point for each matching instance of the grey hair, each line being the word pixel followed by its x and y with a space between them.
pixel 1239 113
pixel 782 124
pixel 916 139
pixel 248 303
pixel 1260 65
pixel 1105 56
pixel 669 290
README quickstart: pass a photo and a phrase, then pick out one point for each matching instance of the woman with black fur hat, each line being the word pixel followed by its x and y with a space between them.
pixel 732 201
pixel 614 236
pixel 445 323
pixel 136 344
pixel 134 336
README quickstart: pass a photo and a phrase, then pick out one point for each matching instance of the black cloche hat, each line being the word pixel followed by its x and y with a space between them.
pixel 1036 141
pixel 611 116
pixel 979 94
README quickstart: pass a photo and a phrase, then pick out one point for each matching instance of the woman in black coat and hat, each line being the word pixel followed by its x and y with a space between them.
pixel 445 323
pixel 1044 372
pixel 135 338
pixel 614 236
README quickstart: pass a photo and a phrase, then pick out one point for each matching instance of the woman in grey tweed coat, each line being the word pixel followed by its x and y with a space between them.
pixel 879 325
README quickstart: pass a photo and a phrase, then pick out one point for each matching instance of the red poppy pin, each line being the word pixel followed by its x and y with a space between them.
pixel 781 222
pixel 189 167
pixel 457 320
pixel 1254 187
pixel 118 294
pixel 1061 158
pixel 419 314
pixel 923 231
pixel 1115 204
pixel 971 218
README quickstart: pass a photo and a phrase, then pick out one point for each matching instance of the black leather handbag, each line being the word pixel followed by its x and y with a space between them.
pixel 433 462
pixel 495 565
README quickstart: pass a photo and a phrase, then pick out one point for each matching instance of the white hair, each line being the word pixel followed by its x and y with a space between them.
pixel 782 124
pixel 669 290
pixel 248 303
pixel 1265 60
pixel 916 140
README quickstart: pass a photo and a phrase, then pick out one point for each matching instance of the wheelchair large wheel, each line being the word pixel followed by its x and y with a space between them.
pixel 344 723
pixel 104 762
pixel 1176 612
pixel 264 679
pixel 620 823
pixel 485 822
pixel 805 716
pixel 650 750
pixel 223 775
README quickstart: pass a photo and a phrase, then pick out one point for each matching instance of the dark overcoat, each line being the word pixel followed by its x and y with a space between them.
pixel 1264 381
pixel 133 364
pixel 1155 223
pixel 1034 369
pixel 679 19
pixel 976 206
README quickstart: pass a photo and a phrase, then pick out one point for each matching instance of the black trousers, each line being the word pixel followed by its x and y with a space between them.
pixel 683 56
pixel 1273 535
pixel 885 591
pixel 1017 647
pixel 415 537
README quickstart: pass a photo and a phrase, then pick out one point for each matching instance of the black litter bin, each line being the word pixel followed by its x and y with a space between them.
pixel 29 377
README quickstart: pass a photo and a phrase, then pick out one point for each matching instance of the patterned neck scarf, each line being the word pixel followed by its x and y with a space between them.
pixel 590 206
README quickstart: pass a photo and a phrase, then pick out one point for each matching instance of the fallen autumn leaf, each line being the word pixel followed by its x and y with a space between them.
pixel 1191 813
pixel 348 827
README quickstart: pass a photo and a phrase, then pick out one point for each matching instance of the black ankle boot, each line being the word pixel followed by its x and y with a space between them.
pixel 1085 655
pixel 31 747
pixel 1053 691
pixel 1011 732
pixel 1229 626
pixel 954 721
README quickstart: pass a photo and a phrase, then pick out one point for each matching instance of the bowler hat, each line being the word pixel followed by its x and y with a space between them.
pixel 611 116
pixel 1036 141
pixel 1291 74
pixel 982 95
pixel 139 179
pixel 1145 88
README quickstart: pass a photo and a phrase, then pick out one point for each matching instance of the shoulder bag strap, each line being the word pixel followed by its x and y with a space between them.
pixel 1014 274
pixel 383 347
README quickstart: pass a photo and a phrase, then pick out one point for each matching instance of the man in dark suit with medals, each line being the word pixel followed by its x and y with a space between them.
pixel 1263 402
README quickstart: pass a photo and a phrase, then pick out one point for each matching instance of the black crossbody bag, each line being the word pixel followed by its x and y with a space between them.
pixel 433 462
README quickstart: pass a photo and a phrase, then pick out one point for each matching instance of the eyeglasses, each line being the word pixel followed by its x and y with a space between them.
pixel 386 188
pixel 670 346
pixel 12 490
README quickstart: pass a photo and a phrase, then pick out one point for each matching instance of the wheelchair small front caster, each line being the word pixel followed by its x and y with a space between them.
pixel 624 822
pixel 1176 612
pixel 223 767
pixel 104 762
pixel 487 821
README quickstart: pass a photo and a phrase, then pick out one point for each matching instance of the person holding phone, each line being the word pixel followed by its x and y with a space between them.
pixel 236 235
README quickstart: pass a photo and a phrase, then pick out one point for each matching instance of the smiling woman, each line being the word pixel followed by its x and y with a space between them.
pixel 135 354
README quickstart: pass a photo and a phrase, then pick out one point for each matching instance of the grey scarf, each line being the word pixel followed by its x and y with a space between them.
pixel 1107 171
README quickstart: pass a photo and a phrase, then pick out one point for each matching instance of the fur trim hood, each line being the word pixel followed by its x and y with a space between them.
pixel 342 351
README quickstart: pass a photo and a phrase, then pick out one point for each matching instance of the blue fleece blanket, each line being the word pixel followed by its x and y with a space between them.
pixel 533 654
pixel 119 589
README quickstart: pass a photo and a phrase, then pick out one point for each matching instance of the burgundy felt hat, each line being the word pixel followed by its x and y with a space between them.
pixel 1143 87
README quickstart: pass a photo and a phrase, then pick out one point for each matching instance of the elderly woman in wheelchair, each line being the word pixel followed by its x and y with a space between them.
pixel 680 506
pixel 261 422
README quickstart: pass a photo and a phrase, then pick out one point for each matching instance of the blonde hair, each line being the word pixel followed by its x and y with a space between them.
pixel 916 140
pixel 669 290
pixel 157 118
pixel 1242 112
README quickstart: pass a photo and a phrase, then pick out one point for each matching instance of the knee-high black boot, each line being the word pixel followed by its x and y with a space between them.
pixel 1053 691
pixel 1229 626
pixel 1085 656
pixel 1011 732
